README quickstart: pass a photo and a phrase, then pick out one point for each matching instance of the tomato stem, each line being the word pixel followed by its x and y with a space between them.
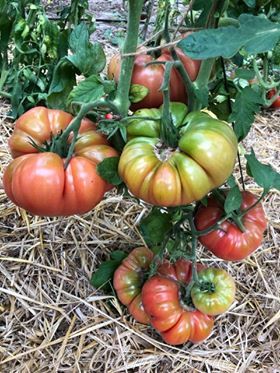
pixel 59 143
pixel 168 132
pixel 189 86
pixel 121 100
pixel 244 212
pixel 194 278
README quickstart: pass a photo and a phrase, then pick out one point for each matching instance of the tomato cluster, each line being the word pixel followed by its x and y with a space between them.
pixel 39 182
pixel 161 300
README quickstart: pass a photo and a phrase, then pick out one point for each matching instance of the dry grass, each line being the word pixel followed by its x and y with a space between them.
pixel 53 320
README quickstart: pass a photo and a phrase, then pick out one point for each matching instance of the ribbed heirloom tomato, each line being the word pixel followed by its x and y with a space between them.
pixel 164 176
pixel 38 181
pixel 128 281
pixel 151 76
pixel 215 293
pixel 229 242
pixel 162 301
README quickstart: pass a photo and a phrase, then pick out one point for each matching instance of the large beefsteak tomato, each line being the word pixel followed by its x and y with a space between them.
pixel 38 182
pixel 151 76
pixel 229 242
pixel 176 323
pixel 128 281
pixel 164 176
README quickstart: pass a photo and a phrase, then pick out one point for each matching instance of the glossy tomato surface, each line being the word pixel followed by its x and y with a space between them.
pixel 128 281
pixel 229 242
pixel 164 176
pixel 151 76
pixel 215 293
pixel 176 323
pixel 38 182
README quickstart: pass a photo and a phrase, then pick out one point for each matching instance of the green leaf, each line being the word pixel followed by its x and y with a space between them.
pixel 155 226
pixel 118 255
pixel 250 3
pixel 245 74
pixel 105 272
pixel 90 89
pixel 88 58
pixel 247 103
pixel 233 200
pixel 137 93
pixel 256 34
pixel 264 175
pixel 108 170
pixel 63 80
pixel 231 181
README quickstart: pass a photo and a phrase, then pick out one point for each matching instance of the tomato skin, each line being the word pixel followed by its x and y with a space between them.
pixel 204 159
pixel 276 103
pixel 151 76
pixel 220 299
pixel 38 182
pixel 229 243
pixel 128 280
pixel 161 301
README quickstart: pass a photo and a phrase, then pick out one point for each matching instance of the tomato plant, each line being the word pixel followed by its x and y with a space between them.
pixel 214 292
pixel 228 241
pixel 171 177
pixel 176 323
pixel 151 76
pixel 128 281
pixel 38 181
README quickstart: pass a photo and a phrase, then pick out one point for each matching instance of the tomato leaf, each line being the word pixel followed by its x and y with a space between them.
pixel 89 58
pixel 233 200
pixel 264 175
pixel 231 181
pixel 256 34
pixel 245 74
pixel 108 170
pixel 155 226
pixel 247 103
pixel 118 255
pixel 64 78
pixel 137 92
pixel 90 89
pixel 105 272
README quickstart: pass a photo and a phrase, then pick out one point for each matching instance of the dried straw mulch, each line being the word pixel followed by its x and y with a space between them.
pixel 53 320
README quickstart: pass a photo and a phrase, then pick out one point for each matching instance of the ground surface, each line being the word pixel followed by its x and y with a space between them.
pixel 53 320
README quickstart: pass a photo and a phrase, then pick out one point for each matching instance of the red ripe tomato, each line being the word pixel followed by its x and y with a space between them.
pixel 175 322
pixel 128 281
pixel 229 242
pixel 152 76
pixel 108 116
pixel 276 103
pixel 38 182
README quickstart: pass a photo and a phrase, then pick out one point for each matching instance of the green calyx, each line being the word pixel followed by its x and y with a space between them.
pixel 54 145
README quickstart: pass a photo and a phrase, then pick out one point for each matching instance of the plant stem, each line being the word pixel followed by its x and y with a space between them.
pixel 194 247
pixel 244 212
pixel 121 100
pixel 230 111
pixel 189 86
pixel 168 132
pixel 5 94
